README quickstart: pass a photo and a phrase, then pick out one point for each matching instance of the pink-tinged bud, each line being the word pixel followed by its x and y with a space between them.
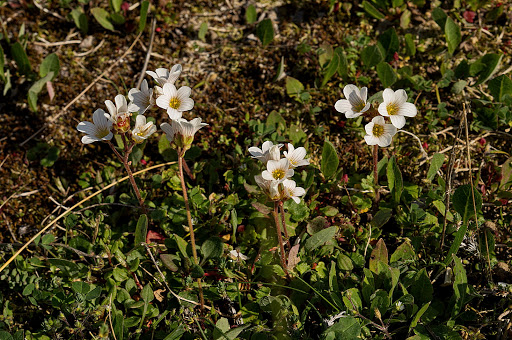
pixel 158 29
pixel 425 145
pixel 395 56
pixel 482 189
pixel 503 201
pixel 482 141
pixel 344 179
pixel 143 162
pixel 125 6
pixel 469 16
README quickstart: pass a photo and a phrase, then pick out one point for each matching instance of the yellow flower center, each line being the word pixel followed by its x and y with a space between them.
pixel 378 130
pixel 278 173
pixel 174 103
pixel 103 133
pixel 140 134
pixel 358 107
pixel 392 109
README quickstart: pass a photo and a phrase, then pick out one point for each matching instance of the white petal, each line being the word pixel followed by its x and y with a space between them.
pixel 296 199
pixel 152 74
pixel 408 110
pixel 384 140
pixel 187 104
pixel 169 90
pixel 87 127
pixel 184 92
pixel 271 166
pixel 366 107
pixel 109 136
pixel 266 146
pixel 290 147
pixel 351 114
pixel 343 106
pixel 267 175
pixel 121 103
pixel 371 140
pixel 173 113
pixel 140 120
pixel 390 129
pixel 383 110
pixel 369 128
pixel 162 72
pixel 379 120
pixel 89 139
pixel 111 108
pixel 364 94
pixel 397 121
pixel 388 96
pixel 163 101
pixel 400 96
pixel 255 152
pixel 299 191
pixel 349 89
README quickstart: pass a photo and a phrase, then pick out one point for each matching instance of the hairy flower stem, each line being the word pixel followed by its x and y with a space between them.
pixel 280 237
pixel 124 160
pixel 283 221
pixel 376 172
pixel 190 225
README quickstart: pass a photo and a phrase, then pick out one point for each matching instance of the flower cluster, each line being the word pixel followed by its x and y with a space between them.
pixel 394 106
pixel 164 95
pixel 276 180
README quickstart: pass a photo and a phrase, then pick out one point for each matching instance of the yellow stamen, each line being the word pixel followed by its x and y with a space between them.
pixel 378 130
pixel 175 103
pixel 392 109
pixel 358 107
pixel 278 174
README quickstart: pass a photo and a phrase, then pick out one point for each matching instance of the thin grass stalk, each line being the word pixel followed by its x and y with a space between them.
pixel 190 226
pixel 280 237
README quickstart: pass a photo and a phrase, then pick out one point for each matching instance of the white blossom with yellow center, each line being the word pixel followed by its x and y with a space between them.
pixel 291 190
pixel 378 132
pixel 175 101
pixel 182 131
pixel 119 114
pixel 277 171
pixel 355 103
pixel 267 152
pixel 163 76
pixel 141 100
pixel 296 156
pixel 142 130
pixel 99 130
pixel 395 107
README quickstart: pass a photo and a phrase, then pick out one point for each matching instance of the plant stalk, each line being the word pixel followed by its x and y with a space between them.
pixel 376 172
pixel 280 237
pixel 190 225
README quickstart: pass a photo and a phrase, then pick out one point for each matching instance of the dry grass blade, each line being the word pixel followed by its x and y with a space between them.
pixel 73 207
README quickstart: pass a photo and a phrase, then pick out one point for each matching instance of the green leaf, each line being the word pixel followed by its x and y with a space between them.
pixel 435 164
pixel 80 19
pixel 168 261
pixel 20 57
pixel 196 271
pixel 331 68
pixel 212 248
pixel 410 46
pixel 389 42
pixel 343 64
pixel 352 299
pixel 381 217
pixel 379 254
pixel 421 287
pixel 499 87
pixel 404 252
pixel 405 19
pixel 386 74
pixel 489 65
pixel 320 238
pixel 203 29
pixel 460 286
pixel 117 18
pixel 280 70
pixel 49 64
pixel 453 35
pixel 35 89
pixel 141 230
pixel 28 290
pixel 374 12
pixel 51 157
pixel 102 17
pixel 93 294
pixel 265 31
pixel 250 14
pixel 459 86
pixel 439 17
pixel 5 336
pixel 147 294
pixel 459 236
pixel 80 287
pixel 372 55
pixel 346 328
pixel 344 262
pixel 177 333
pixel 116 4
pixel 418 315
pixel 330 160
pixel 395 181
pixel 463 202
pixel 293 86
pixel 144 9
pixel 506 173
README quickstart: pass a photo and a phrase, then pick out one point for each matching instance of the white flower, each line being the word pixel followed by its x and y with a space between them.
pixel 278 170
pixel 268 151
pixel 296 156
pixel 235 255
pixel 97 131
pixel 142 130
pixel 355 103
pixel 291 190
pixel 181 131
pixel 378 132
pixel 395 107
pixel 163 76
pixel 269 187
pixel 141 100
pixel 175 101
pixel 119 114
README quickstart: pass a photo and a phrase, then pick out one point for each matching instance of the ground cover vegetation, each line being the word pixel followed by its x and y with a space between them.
pixel 255 170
